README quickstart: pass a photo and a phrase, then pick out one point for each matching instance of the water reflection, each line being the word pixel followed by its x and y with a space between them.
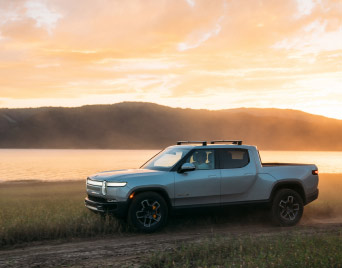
pixel 36 164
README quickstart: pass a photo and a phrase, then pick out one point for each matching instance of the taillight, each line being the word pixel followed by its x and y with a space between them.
pixel 315 172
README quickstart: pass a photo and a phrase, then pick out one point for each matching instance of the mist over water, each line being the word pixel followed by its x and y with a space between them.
pixel 60 164
pixel 327 162
pixel 57 165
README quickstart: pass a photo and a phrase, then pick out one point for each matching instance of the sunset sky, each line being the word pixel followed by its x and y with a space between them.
pixel 182 53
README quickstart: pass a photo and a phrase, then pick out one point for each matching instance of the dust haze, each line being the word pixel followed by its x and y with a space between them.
pixel 328 207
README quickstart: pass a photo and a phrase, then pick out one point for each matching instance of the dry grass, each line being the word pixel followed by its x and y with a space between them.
pixel 55 210
pixel 290 250
pixel 40 211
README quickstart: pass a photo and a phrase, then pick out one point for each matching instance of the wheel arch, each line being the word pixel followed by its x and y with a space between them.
pixel 162 192
pixel 289 184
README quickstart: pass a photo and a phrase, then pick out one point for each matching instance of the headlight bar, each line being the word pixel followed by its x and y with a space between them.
pixel 116 184
pixel 108 184
pixel 95 183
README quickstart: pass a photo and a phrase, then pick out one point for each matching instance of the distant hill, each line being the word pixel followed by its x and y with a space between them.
pixel 135 125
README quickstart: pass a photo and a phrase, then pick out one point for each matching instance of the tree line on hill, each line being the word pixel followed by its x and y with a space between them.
pixel 135 125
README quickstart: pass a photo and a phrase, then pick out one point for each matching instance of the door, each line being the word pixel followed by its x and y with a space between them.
pixel 200 186
pixel 238 174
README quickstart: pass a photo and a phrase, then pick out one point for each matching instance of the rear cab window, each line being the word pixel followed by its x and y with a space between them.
pixel 233 158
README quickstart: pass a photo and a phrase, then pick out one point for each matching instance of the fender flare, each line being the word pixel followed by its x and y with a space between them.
pixel 293 184
pixel 156 189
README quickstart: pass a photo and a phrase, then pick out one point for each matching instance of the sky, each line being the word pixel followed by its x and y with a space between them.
pixel 201 54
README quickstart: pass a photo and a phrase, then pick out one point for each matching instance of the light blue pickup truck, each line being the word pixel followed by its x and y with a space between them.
pixel 197 174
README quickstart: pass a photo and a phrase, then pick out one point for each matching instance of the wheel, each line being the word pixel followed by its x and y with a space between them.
pixel 148 212
pixel 287 208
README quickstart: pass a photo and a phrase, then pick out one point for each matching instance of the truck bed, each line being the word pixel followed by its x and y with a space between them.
pixel 283 164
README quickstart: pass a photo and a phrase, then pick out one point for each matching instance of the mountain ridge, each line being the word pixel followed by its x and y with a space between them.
pixel 141 125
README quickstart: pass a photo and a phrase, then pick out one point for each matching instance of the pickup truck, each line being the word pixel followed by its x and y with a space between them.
pixel 202 175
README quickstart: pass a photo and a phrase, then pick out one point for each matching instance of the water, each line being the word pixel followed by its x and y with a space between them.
pixel 327 162
pixel 55 165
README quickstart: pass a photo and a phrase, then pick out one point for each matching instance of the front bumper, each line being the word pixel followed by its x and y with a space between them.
pixel 311 197
pixel 118 209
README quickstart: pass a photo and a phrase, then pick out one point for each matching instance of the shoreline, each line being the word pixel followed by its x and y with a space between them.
pixel 34 181
pixel 40 182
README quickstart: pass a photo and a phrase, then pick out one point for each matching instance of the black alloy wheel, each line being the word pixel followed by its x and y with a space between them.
pixel 148 212
pixel 287 208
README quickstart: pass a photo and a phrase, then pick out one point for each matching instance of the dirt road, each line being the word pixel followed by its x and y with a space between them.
pixel 131 249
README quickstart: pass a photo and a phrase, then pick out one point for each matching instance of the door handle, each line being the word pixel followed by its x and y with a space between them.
pixel 212 176
pixel 248 174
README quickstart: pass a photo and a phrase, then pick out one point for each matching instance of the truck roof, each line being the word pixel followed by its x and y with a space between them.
pixel 213 144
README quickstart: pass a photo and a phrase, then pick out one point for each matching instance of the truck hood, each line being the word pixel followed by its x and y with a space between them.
pixel 124 174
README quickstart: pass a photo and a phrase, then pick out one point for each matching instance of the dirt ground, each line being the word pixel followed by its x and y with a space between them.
pixel 128 250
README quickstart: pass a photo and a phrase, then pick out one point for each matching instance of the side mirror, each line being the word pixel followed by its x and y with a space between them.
pixel 187 167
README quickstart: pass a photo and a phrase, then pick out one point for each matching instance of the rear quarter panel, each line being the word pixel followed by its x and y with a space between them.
pixel 299 173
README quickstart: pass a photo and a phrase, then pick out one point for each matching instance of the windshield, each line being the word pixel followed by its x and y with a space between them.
pixel 166 159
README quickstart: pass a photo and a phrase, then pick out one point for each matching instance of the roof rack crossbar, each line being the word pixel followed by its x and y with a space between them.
pixel 204 143
pixel 238 142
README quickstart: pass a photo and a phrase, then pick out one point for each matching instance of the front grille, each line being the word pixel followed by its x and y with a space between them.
pixel 97 199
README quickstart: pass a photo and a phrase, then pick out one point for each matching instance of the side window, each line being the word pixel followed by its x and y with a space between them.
pixel 233 158
pixel 202 159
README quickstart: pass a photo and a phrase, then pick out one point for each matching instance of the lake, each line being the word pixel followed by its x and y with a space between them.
pixel 60 164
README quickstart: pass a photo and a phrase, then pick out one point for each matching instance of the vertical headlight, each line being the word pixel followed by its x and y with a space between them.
pixel 104 188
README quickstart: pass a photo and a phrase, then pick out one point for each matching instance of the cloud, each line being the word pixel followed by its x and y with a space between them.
pixel 191 2
pixel 137 64
pixel 197 38
pixel 43 16
pixel 313 38
pixel 47 65
pixel 305 8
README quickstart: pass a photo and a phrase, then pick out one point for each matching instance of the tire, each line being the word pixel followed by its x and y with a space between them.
pixel 287 208
pixel 148 212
